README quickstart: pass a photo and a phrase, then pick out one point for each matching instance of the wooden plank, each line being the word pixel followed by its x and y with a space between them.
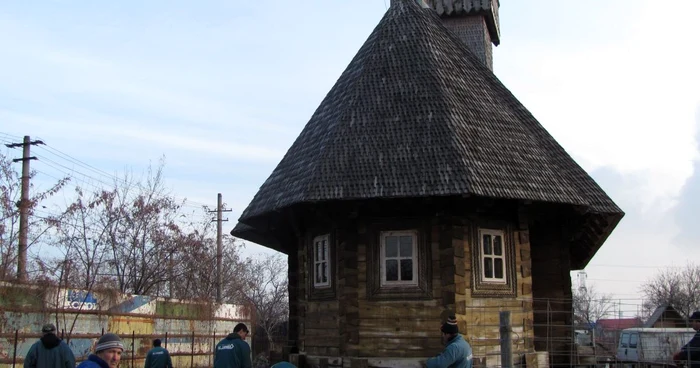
pixel 407 346
pixel 321 332
pixel 321 341
pixel 420 309
pixel 322 323
pixel 416 327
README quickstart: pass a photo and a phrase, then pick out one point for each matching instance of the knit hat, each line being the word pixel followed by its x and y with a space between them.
pixel 450 326
pixel 49 327
pixel 695 316
pixel 108 341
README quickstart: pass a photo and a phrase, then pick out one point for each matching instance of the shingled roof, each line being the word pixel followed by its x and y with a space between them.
pixel 415 114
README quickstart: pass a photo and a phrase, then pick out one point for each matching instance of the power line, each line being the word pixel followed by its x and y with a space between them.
pixel 48 149
pixel 73 160
pixel 73 170
pixel 11 136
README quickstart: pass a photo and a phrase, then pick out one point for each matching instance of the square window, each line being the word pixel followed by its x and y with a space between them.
pixel 321 252
pixel 398 265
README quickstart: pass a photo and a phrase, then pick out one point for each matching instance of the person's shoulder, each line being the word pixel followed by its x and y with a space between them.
pixel 88 364
pixel 458 343
pixel 283 365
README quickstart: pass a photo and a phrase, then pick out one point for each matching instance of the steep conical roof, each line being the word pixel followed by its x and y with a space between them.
pixel 415 114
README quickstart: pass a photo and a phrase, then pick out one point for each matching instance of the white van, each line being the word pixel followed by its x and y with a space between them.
pixel 651 347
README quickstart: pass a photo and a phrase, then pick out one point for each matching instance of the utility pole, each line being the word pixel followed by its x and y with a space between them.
pixel 23 205
pixel 219 244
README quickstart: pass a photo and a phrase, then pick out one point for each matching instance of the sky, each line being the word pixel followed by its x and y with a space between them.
pixel 221 89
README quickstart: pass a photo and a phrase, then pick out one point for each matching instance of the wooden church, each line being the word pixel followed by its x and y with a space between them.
pixel 419 185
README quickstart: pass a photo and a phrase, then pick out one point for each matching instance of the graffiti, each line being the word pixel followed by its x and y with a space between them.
pixel 78 299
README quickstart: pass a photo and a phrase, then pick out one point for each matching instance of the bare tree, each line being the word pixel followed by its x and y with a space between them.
pixel 266 290
pixel 590 306
pixel 10 191
pixel 81 237
pixel 192 270
pixel 141 222
pixel 677 287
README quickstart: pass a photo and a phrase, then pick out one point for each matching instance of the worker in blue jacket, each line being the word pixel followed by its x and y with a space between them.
pixel 158 357
pixel 233 351
pixel 49 351
pixel 457 353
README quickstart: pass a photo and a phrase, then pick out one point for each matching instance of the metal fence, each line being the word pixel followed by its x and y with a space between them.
pixel 523 333
pixel 186 350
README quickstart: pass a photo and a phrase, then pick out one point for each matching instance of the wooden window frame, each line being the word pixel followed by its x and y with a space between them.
pixel 316 291
pixel 422 288
pixel 326 260
pixel 485 287
pixel 414 258
pixel 493 257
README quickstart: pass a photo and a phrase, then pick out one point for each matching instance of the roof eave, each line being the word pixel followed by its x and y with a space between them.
pixel 252 234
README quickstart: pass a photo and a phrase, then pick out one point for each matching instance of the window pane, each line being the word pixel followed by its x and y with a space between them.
pixel 497 245
pixel 324 271
pixel 487 244
pixel 488 268
pixel 633 340
pixel 324 254
pixel 317 250
pixel 318 273
pixel 406 269
pixel 498 268
pixel 392 270
pixel 406 246
pixel 392 246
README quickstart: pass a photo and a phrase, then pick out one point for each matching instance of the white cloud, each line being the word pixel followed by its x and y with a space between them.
pixel 628 104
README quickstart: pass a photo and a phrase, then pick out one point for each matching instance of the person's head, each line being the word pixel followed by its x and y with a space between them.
pixel 48 328
pixel 449 329
pixel 241 330
pixel 156 342
pixel 695 320
pixel 110 348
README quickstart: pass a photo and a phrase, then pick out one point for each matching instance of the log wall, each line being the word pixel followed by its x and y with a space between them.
pixel 353 325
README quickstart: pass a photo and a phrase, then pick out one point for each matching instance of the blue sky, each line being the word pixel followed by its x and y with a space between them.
pixel 222 89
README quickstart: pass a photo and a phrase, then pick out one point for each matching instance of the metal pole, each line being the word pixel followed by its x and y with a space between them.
pixel 213 349
pixel 14 351
pixel 506 341
pixel 133 347
pixel 219 246
pixel 192 356
pixel 166 339
pixel 24 213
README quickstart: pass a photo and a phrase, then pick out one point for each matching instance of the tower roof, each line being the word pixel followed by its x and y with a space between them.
pixel 415 114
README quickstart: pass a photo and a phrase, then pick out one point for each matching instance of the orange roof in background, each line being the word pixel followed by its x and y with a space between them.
pixel 618 324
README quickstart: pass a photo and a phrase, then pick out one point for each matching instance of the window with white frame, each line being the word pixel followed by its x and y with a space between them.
pixel 493 256
pixel 399 258
pixel 322 266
